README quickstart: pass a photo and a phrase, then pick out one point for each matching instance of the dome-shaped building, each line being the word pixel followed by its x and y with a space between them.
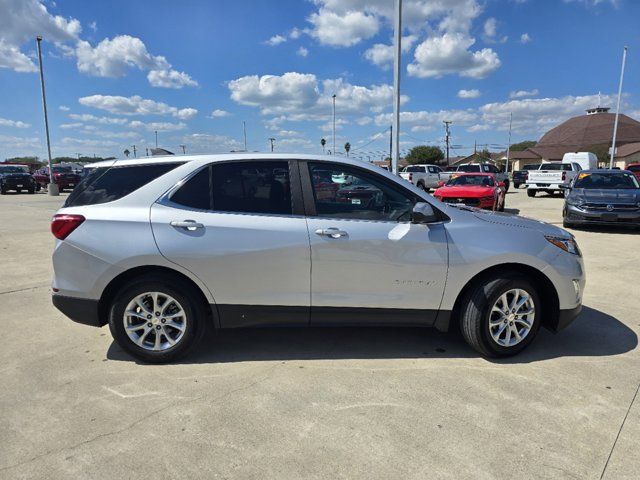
pixel 593 131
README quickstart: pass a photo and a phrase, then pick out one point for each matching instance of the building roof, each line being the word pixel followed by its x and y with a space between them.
pixel 524 155
pixel 628 149
pixel 579 133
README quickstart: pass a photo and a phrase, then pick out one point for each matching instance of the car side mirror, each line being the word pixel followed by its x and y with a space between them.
pixel 502 184
pixel 423 212
pixel 441 183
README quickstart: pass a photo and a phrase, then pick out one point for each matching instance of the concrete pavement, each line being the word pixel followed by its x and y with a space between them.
pixel 326 403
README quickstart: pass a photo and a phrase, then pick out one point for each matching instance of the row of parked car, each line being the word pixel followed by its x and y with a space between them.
pixel 19 179
pixel 592 195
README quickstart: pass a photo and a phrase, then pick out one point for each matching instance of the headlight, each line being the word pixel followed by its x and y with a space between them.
pixel 576 201
pixel 567 244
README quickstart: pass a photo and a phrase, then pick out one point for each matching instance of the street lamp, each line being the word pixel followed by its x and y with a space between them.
pixel 52 188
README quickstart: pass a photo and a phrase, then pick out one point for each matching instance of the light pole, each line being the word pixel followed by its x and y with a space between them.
pixel 244 131
pixel 272 140
pixel 447 136
pixel 334 122
pixel 184 149
pixel 509 144
pixel 396 87
pixel 615 123
pixel 156 132
pixel 52 188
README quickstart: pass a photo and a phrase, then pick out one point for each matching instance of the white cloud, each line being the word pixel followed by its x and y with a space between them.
pixel 170 79
pixel 490 27
pixel 303 52
pixel 208 143
pixel 524 93
pixel 276 40
pixel 20 22
pixel 67 126
pixel 217 113
pixel 450 54
pixel 4 122
pixel 342 30
pixel 525 38
pixel 299 97
pixel 473 93
pixel 135 105
pixel 382 55
pixel 478 128
pixel 93 26
pixel 64 108
pixel 537 115
pixel 430 119
pixel 158 126
pixel 85 117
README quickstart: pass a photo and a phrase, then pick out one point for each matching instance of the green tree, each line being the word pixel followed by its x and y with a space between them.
pixel 600 151
pixel 323 142
pixel 347 147
pixel 485 154
pixel 424 154
pixel 520 147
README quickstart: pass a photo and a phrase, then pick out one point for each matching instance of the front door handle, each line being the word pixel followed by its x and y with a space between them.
pixel 190 225
pixel 331 232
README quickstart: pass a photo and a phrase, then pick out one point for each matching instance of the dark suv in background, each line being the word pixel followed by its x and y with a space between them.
pixel 16 177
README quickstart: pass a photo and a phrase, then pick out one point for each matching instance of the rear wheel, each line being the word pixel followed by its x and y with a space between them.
pixel 501 204
pixel 421 186
pixel 506 186
pixel 501 316
pixel 32 190
pixel 3 191
pixel 531 192
pixel 516 186
pixel 155 322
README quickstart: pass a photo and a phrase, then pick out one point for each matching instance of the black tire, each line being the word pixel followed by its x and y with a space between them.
pixel 476 310
pixel 501 207
pixel 531 192
pixel 32 190
pixel 516 186
pixel 506 186
pixel 3 191
pixel 196 318
pixel 421 186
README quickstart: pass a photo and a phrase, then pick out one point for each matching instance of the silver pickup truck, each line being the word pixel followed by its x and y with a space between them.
pixel 551 177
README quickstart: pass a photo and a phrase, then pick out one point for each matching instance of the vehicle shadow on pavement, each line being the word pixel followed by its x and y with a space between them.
pixel 593 333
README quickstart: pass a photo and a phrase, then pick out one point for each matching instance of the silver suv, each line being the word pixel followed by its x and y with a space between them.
pixel 163 248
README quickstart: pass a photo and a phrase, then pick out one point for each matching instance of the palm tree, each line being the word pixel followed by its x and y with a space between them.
pixel 347 147
pixel 323 142
pixel 126 152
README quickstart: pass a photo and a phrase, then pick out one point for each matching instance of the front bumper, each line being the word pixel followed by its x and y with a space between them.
pixel 577 215
pixel 80 310
pixel 565 317
pixel 15 183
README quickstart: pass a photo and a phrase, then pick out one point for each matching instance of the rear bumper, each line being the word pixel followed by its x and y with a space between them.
pixel 80 310
pixel 546 186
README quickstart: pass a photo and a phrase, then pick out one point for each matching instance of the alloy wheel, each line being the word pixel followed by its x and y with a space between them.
pixel 511 317
pixel 154 321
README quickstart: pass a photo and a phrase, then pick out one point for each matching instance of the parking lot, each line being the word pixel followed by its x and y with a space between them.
pixel 323 403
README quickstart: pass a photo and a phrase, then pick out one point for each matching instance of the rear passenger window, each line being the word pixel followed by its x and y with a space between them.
pixel 106 184
pixel 252 187
pixel 196 192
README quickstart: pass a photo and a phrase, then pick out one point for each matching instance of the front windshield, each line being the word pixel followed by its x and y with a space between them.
pixel 606 181
pixel 11 169
pixel 61 169
pixel 471 180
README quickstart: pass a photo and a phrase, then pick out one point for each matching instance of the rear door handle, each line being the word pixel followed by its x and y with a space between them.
pixel 331 232
pixel 190 225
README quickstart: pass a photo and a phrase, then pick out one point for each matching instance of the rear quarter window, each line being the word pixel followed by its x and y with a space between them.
pixel 107 184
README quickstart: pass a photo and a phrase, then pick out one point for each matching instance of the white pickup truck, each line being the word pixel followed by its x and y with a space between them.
pixel 551 177
pixel 422 176
pixel 476 168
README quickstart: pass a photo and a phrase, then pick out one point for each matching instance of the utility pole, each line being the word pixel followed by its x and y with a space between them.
pixel 244 131
pixel 334 122
pixel 134 151
pixel 184 149
pixel 447 136
pixel 147 150
pixel 509 144
pixel 272 140
pixel 395 135
pixel 52 187
pixel 615 123
pixel 156 132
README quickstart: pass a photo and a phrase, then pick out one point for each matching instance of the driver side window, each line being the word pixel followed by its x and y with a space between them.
pixel 350 193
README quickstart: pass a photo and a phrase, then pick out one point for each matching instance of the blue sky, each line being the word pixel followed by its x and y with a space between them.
pixel 195 70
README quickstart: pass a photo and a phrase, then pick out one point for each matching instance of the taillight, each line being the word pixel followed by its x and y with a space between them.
pixel 564 176
pixel 62 225
pixel 526 176
pixel 411 177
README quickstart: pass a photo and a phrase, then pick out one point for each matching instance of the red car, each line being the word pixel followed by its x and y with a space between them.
pixel 62 176
pixel 480 190
pixel 635 169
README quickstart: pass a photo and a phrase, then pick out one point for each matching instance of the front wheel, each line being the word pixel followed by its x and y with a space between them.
pixel 501 316
pixel 516 186
pixel 506 186
pixel 155 322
